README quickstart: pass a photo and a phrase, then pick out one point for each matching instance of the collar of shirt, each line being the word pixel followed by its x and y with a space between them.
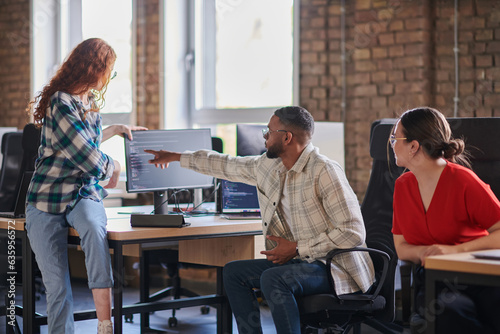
pixel 301 162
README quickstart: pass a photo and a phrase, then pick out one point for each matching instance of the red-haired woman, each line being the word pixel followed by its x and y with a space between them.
pixel 65 191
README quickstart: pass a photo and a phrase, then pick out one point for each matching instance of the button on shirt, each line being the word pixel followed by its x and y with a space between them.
pixel 324 210
pixel 69 163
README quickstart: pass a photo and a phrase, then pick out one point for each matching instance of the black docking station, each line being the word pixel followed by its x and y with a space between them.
pixel 157 220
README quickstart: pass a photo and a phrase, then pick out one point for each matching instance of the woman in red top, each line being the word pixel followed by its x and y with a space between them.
pixel 442 207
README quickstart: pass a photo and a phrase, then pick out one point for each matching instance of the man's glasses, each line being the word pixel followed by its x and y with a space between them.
pixel 113 75
pixel 393 139
pixel 266 132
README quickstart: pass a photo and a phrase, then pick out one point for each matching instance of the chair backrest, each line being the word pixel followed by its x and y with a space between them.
pixel 481 137
pixel 217 144
pixel 377 208
pixel 11 166
pixel 20 152
pixel 31 143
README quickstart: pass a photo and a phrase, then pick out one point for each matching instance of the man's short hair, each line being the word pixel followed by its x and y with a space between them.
pixel 296 117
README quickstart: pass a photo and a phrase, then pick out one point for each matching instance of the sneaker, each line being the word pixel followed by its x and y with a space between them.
pixel 105 327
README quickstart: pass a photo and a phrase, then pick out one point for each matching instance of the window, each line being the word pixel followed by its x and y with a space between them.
pixel 111 20
pixel 60 25
pixel 239 62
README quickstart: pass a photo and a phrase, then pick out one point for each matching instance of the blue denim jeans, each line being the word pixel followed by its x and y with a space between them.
pixel 280 284
pixel 48 235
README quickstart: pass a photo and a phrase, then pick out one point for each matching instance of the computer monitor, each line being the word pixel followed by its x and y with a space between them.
pixel 249 140
pixel 328 137
pixel 145 177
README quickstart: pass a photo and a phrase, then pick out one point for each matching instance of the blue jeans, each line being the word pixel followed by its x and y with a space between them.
pixel 279 284
pixel 48 235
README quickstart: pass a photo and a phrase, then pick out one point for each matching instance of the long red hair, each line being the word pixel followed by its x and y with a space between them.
pixel 87 66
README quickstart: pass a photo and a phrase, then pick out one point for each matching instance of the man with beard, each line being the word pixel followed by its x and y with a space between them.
pixel 308 209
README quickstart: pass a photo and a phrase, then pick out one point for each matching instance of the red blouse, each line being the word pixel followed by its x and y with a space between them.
pixel 462 208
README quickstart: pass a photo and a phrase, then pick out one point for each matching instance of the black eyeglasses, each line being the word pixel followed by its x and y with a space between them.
pixel 113 75
pixel 266 132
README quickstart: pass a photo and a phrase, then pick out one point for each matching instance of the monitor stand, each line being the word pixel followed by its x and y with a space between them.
pixel 160 208
pixel 160 217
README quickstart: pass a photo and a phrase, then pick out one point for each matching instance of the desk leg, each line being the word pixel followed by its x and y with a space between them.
pixel 118 272
pixel 144 287
pixel 224 313
pixel 28 279
pixel 430 298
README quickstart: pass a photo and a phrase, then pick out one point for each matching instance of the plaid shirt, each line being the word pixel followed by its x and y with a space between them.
pixel 69 164
pixel 325 212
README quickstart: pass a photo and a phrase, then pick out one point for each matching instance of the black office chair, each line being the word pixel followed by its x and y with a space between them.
pixel 11 166
pixel 481 140
pixel 375 308
pixel 20 151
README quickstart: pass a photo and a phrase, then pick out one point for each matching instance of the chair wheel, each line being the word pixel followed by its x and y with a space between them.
pixel 205 310
pixel 129 318
pixel 172 322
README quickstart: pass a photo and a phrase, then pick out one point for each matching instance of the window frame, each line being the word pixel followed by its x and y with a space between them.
pixel 209 116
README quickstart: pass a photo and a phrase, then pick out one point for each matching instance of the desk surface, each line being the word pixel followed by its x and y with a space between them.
pixel 463 262
pixel 119 227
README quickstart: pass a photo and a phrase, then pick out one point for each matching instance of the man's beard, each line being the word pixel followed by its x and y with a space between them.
pixel 274 152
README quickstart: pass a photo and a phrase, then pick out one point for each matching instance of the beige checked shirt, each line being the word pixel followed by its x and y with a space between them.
pixel 324 209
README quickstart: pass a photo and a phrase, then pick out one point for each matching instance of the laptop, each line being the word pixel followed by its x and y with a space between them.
pixel 238 201
pixel 492 254
pixel 20 207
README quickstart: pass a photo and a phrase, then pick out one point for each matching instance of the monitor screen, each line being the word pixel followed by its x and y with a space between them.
pixel 145 177
pixel 249 140
pixel 238 197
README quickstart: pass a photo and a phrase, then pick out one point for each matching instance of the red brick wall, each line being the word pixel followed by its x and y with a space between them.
pixel 399 55
pixel 479 58
pixel 147 51
pixel 14 61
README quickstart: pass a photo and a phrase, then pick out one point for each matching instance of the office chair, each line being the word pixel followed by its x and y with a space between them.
pixel 376 307
pixel 481 138
pixel 11 166
pixel 20 151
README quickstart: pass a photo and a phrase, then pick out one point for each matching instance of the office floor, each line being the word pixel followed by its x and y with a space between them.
pixel 190 320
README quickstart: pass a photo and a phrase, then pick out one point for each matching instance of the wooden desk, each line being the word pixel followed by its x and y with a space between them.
pixel 452 270
pixel 226 240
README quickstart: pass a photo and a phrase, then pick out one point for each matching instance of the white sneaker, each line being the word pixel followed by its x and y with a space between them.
pixel 105 327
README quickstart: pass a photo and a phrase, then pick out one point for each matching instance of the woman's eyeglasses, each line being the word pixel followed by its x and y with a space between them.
pixel 113 75
pixel 393 139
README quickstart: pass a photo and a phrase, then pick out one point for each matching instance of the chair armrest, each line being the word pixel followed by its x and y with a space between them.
pixel 405 271
pixel 383 255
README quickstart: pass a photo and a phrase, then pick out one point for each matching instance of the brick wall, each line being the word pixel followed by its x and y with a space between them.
pixel 147 51
pixel 399 55
pixel 479 58
pixel 14 61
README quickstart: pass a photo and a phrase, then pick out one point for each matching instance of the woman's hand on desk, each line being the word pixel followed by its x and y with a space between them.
pixel 438 250
pixel 163 158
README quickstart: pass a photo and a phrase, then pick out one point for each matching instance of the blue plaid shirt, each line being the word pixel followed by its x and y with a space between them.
pixel 70 163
